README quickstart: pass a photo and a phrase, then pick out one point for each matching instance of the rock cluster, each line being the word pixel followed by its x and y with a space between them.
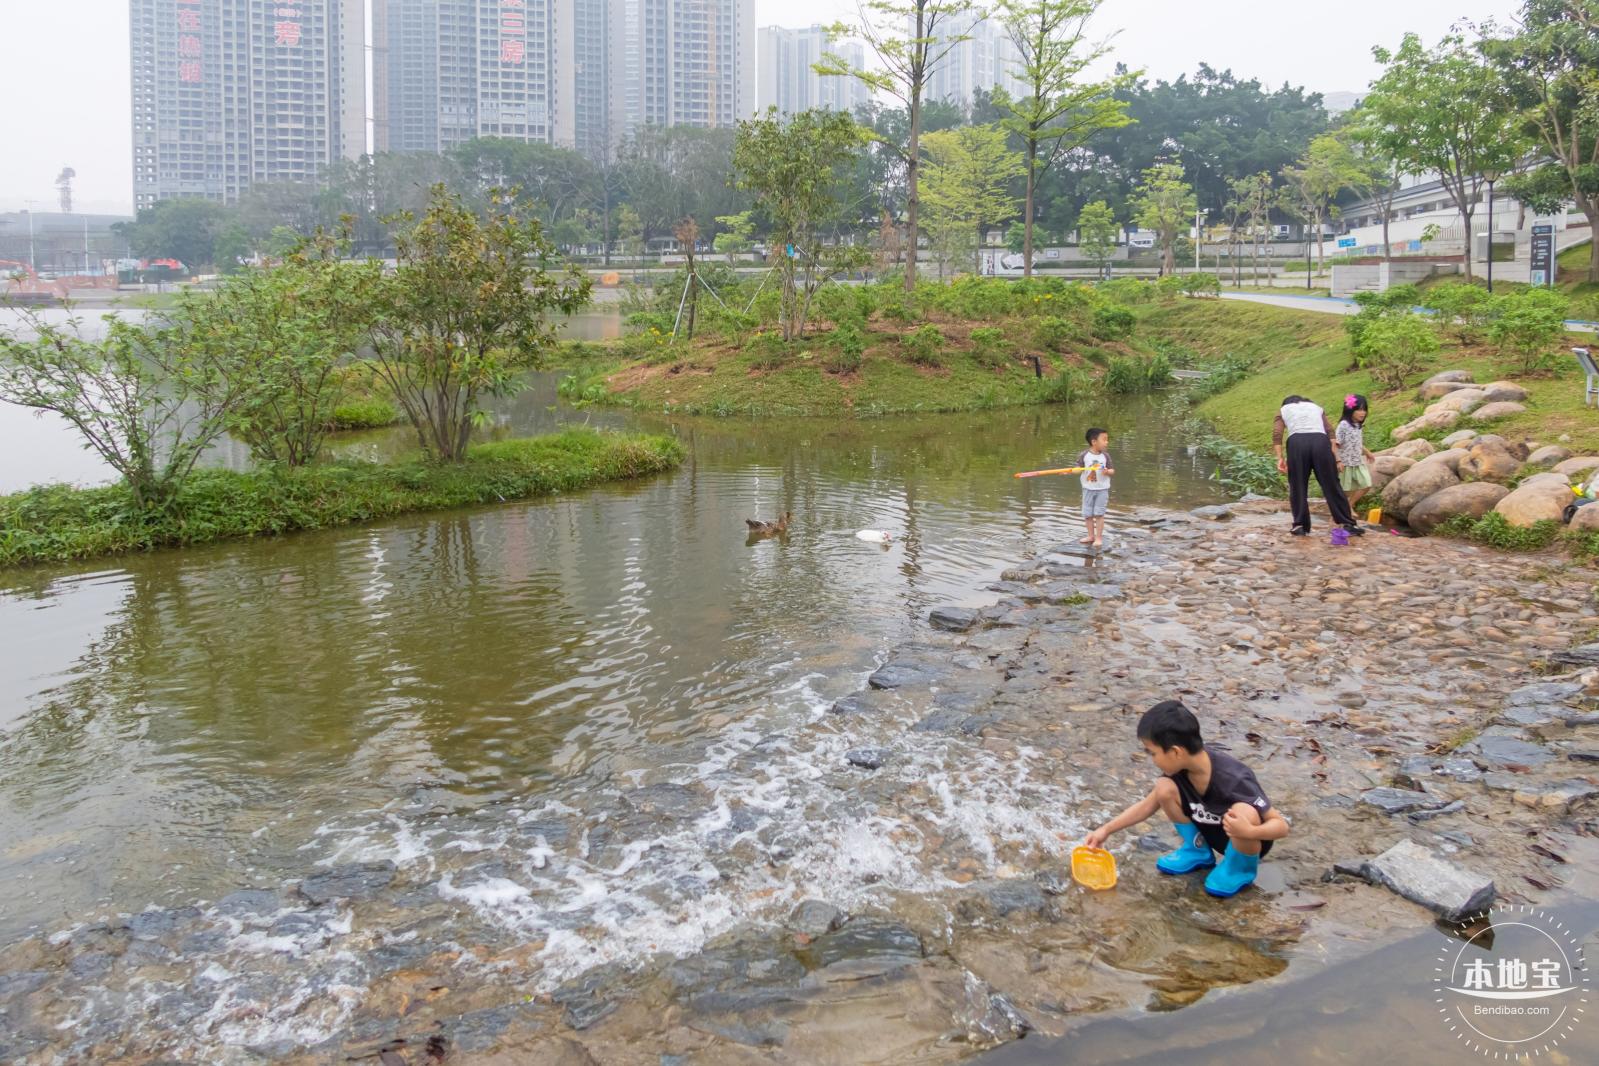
pixel 1475 472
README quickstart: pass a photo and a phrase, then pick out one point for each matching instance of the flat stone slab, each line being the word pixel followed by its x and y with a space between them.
pixel 901 675
pixel 814 917
pixel 348 882
pixel 1582 655
pixel 1215 513
pixel 1499 750
pixel 952 619
pixel 1399 800
pixel 1418 875
pixel 1557 796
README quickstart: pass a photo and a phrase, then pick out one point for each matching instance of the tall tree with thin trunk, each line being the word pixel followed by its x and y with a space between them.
pixel 1381 173
pixel 969 174
pixel 1552 69
pixel 1165 204
pixel 910 38
pixel 1057 114
pixel 1329 166
pixel 1445 111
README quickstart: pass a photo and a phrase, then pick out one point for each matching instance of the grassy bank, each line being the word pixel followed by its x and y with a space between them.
pixel 1308 352
pixel 57 523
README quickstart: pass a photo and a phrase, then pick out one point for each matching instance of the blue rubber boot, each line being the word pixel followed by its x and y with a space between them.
pixel 1235 873
pixel 1195 854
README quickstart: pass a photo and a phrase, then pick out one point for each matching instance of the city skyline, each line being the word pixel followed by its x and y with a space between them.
pixel 84 122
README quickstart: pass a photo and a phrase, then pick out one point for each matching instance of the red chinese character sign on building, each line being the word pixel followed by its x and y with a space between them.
pixel 286 31
pixel 513 32
pixel 191 68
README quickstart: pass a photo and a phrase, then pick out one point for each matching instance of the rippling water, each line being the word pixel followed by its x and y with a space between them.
pixel 179 725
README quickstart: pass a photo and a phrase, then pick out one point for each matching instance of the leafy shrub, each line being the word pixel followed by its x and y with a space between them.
pixel 1527 326
pixel 365 414
pixel 841 304
pixel 1067 384
pixel 1201 284
pixel 1157 370
pixel 1129 291
pixel 1393 348
pixel 1126 375
pixel 1054 333
pixel 768 350
pixel 989 347
pixel 1492 529
pixel 1168 288
pixel 975 298
pixel 645 321
pixel 1462 308
pixel 582 388
pixel 896 306
pixel 1239 469
pixel 1113 323
pixel 849 347
pixel 1375 306
pixel 924 345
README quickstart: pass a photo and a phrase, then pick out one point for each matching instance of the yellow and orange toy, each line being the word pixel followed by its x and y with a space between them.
pixel 1093 867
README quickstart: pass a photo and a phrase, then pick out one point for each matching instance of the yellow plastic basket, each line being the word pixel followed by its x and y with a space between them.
pixel 1093 868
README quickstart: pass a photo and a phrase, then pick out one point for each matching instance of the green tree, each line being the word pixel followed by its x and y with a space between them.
pixel 144 401
pixel 279 335
pixel 1381 173
pixel 1445 111
pixel 1164 204
pixel 910 38
pixel 1059 112
pixel 629 231
pixel 1097 230
pixel 184 229
pixel 232 248
pixel 1328 168
pixel 969 176
pixel 1552 70
pixel 794 165
pixel 466 313
pixel 737 235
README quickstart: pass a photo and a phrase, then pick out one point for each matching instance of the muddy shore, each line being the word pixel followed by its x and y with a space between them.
pixel 1396 689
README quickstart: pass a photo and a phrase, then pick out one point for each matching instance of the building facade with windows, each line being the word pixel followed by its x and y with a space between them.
pixel 787 79
pixel 230 93
pixel 985 59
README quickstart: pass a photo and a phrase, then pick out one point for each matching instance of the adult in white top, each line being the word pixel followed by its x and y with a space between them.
pixel 1302 438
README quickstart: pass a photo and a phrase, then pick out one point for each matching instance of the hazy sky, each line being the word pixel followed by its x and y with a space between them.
pixel 65 67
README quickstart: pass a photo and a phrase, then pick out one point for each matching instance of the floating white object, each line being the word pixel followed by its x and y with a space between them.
pixel 875 536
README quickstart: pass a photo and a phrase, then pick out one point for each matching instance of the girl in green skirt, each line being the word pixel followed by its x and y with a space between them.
pixel 1354 475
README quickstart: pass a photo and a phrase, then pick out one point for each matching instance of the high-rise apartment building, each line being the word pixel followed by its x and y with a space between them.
pixel 229 93
pixel 985 59
pixel 682 63
pixel 787 80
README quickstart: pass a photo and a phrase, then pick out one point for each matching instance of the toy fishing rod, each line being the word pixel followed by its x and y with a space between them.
pixel 1062 470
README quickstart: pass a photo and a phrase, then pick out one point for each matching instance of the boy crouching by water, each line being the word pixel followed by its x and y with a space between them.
pixel 1213 800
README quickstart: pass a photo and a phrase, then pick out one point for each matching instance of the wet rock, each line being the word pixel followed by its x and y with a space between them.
pixel 908 668
pixel 758 1034
pixel 157 923
pixel 860 703
pixel 90 966
pixel 952 720
pixel 1439 812
pixel 1500 748
pixel 952 619
pixel 298 924
pixel 815 917
pixel 356 881
pixel 249 902
pixel 1215 513
pixel 1542 693
pixel 589 998
pixel 1398 800
pixel 480 1030
pixel 1583 655
pixel 1001 899
pixel 1553 796
pixel 867 758
pixel 1054 882
pixel 1535 501
pixel 865 946
pixel 990 1016
pixel 1102 591
pixel 1418 875
pixel 674 802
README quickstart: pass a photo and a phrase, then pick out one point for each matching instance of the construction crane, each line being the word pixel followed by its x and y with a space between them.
pixel 64 186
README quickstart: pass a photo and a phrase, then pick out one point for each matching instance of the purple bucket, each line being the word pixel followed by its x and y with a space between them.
pixel 1340 537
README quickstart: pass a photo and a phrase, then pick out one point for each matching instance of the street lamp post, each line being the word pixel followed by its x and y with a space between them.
pixel 1307 258
pixel 1492 176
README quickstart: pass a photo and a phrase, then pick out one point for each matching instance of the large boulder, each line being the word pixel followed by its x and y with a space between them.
pixel 1452 458
pixel 1386 468
pixel 1548 455
pixel 1412 449
pixel 1437 390
pixel 1548 477
pixel 1455 376
pixel 1578 466
pixel 1489 462
pixel 1535 502
pixel 1586 520
pixel 1464 401
pixel 1460 438
pixel 1415 485
pixel 1502 409
pixel 1473 499
pixel 1505 392
pixel 1431 420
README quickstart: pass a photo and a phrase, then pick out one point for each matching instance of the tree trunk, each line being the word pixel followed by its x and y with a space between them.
pixel 912 175
pixel 1465 223
pixel 1590 210
pixel 1387 246
pixel 1027 223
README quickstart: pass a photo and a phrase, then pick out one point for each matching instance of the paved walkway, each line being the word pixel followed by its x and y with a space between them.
pixel 1332 305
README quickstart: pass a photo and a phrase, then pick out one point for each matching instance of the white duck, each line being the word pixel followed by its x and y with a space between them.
pixel 875 536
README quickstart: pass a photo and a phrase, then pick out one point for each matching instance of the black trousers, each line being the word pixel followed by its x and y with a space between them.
pixel 1311 453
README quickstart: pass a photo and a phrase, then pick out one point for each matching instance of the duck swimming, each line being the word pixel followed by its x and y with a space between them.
pixel 769 529
pixel 875 536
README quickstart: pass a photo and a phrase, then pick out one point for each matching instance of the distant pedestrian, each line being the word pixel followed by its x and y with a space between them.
pixel 1302 438
pixel 1096 485
pixel 1354 474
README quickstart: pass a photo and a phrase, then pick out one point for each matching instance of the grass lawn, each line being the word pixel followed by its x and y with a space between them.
pixel 55 523
pixel 1308 353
